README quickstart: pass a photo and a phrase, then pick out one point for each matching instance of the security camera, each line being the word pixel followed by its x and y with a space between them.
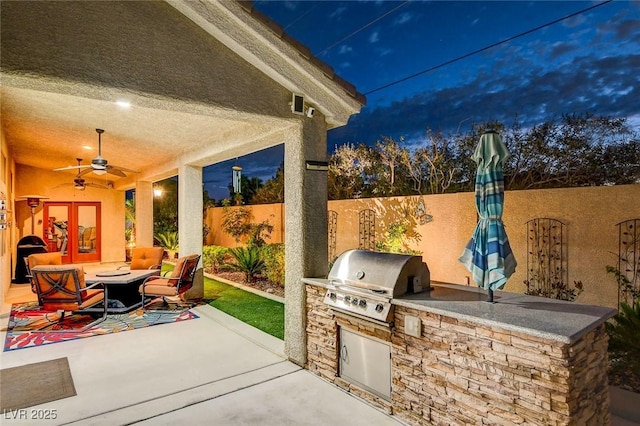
pixel 310 111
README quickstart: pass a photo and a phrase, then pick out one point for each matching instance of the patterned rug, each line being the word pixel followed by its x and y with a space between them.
pixel 27 317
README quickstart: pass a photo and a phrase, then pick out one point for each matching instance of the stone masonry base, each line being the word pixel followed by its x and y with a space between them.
pixel 459 373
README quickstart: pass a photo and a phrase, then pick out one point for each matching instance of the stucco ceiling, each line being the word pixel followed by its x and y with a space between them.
pixel 205 80
pixel 50 130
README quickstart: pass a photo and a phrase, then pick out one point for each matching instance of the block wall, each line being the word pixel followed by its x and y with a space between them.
pixel 439 226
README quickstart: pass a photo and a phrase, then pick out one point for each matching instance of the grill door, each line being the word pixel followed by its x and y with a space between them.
pixel 366 363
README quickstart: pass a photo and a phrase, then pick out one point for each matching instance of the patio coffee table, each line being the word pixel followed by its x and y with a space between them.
pixel 122 287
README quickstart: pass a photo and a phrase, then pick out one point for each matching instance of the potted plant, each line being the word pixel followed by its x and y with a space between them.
pixel 169 241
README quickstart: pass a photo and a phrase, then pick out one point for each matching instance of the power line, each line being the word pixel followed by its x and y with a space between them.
pixel 449 62
pixel 362 28
pixel 301 16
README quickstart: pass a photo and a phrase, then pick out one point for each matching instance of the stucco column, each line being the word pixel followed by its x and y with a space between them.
pixel 190 221
pixel 144 214
pixel 305 224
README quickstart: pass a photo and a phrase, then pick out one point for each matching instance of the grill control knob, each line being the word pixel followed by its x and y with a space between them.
pixel 332 296
pixel 363 303
pixel 347 299
pixel 354 301
pixel 379 307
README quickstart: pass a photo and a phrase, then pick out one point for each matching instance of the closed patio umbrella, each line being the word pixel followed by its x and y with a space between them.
pixel 488 255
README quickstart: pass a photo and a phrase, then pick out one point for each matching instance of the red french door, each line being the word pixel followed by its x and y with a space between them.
pixel 73 228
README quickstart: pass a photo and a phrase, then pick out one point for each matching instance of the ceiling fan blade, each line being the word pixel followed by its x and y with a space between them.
pixel 85 172
pixel 113 171
pixel 71 168
pixel 123 169
pixel 95 185
pixel 110 170
pixel 63 185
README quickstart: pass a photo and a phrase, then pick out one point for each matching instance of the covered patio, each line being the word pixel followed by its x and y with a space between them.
pixel 176 86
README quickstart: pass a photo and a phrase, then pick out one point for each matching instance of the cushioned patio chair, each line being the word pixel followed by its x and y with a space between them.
pixel 180 280
pixel 51 258
pixel 145 258
pixel 62 289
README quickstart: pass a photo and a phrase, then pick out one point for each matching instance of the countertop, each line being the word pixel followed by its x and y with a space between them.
pixel 551 319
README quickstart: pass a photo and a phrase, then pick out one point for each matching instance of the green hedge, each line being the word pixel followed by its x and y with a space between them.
pixel 273 256
pixel 213 257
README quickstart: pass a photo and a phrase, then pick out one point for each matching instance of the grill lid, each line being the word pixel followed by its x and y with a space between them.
pixel 388 274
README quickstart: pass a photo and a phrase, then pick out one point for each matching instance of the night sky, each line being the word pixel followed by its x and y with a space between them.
pixel 471 61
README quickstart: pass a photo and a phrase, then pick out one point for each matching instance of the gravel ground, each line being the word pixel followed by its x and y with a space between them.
pixel 260 283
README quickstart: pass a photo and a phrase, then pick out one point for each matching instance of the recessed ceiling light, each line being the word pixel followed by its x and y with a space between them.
pixel 87 147
pixel 123 104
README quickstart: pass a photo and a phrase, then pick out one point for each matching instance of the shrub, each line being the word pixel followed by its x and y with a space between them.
pixel 258 232
pixel 213 257
pixel 168 240
pixel 247 261
pixel 237 223
pixel 625 286
pixel 557 290
pixel 273 255
pixel 624 342
pixel 397 238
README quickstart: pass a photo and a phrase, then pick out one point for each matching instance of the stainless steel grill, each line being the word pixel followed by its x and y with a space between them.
pixel 362 283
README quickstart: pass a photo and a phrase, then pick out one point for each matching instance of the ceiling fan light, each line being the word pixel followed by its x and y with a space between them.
pixel 99 171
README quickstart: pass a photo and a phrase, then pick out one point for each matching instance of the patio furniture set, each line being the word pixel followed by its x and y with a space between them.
pixel 67 288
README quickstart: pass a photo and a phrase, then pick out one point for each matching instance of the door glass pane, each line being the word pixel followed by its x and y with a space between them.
pixel 87 229
pixel 57 234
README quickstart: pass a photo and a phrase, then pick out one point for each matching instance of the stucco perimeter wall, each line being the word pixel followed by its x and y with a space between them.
pixel 273 213
pixel 439 226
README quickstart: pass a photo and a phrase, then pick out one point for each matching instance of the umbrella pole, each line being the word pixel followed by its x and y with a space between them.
pixel 490 294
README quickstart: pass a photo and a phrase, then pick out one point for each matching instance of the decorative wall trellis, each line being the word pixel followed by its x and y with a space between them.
pixel 367 229
pixel 546 257
pixel 628 261
pixel 332 226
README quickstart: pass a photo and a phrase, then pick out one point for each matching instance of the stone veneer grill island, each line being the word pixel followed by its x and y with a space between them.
pixel 522 360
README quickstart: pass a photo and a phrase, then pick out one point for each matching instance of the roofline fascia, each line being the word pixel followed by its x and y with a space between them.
pixel 278 56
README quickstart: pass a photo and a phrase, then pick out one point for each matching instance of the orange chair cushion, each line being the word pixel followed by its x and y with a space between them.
pixel 178 269
pixel 68 302
pixel 52 258
pixel 145 257
pixel 161 287
pixel 79 269
pixel 89 298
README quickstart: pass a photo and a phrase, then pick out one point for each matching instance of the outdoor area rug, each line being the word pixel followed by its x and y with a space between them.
pixel 25 318
pixel 17 389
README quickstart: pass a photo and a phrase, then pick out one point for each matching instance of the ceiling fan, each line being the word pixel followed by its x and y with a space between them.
pixel 79 182
pixel 99 164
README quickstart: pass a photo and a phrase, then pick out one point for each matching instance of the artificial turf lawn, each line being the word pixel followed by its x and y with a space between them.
pixel 262 313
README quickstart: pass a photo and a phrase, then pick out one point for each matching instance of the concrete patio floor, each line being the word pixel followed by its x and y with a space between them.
pixel 211 370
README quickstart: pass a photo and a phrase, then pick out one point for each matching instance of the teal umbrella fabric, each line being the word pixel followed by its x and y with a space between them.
pixel 488 255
